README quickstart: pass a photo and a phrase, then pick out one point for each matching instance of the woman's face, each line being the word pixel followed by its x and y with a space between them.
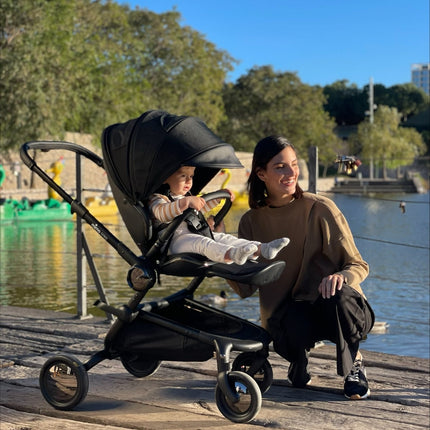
pixel 280 177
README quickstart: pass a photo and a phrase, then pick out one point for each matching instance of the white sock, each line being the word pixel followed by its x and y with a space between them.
pixel 241 254
pixel 270 250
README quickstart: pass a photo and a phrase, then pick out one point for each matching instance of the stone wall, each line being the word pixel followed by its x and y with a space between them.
pixel 95 178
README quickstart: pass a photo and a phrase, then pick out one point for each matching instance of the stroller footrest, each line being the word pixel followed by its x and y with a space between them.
pixel 251 272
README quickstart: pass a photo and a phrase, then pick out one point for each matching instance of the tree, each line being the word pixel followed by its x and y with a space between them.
pixel 348 104
pixel 184 72
pixel 264 102
pixel 384 140
pixel 345 102
pixel 81 65
pixel 406 98
pixel 30 69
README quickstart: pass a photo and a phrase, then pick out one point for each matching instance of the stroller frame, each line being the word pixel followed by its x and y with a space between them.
pixel 239 385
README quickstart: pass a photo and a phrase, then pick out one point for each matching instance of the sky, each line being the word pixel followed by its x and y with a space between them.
pixel 323 41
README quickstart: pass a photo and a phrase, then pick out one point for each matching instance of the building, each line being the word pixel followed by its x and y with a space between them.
pixel 420 74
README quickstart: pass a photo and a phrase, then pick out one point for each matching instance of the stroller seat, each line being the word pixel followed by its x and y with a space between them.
pixel 140 226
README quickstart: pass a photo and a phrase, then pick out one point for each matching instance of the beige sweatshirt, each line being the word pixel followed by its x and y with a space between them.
pixel 321 244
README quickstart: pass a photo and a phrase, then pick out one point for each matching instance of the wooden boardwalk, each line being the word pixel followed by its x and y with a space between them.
pixel 181 395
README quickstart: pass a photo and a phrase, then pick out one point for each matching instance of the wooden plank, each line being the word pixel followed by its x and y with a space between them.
pixel 18 420
pixel 181 394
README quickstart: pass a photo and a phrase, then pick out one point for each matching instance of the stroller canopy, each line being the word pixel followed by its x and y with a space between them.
pixel 140 154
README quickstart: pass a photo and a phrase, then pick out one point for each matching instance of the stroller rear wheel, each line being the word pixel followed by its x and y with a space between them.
pixel 256 367
pixel 63 381
pixel 249 403
pixel 138 366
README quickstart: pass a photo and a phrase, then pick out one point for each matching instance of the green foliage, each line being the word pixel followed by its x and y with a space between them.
pixel 345 102
pixel 80 65
pixel 184 72
pixel 349 104
pixel 264 102
pixel 406 98
pixel 29 75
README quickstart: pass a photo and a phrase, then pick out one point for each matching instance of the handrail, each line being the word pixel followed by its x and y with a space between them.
pixel 81 211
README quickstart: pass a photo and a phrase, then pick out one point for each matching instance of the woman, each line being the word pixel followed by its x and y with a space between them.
pixel 318 296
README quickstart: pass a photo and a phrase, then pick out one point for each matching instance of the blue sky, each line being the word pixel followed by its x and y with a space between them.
pixel 322 40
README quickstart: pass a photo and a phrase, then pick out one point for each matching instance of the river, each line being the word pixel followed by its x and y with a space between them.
pixel 38 268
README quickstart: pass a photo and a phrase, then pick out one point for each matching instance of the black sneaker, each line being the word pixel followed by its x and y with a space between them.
pixel 356 386
pixel 298 373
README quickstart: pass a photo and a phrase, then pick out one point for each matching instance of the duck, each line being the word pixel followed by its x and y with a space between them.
pixel 380 327
pixel 214 299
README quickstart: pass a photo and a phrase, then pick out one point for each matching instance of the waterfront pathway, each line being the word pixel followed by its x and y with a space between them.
pixel 181 395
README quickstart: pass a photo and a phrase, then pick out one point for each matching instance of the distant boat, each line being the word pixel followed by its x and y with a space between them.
pixel 101 206
pixel 40 210
pixel 52 209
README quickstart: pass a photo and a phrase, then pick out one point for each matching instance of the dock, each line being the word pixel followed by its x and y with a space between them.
pixel 180 395
pixel 375 186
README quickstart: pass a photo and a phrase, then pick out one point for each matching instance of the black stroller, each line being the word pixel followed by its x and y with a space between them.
pixel 138 157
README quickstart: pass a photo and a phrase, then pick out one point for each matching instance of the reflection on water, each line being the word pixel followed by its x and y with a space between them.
pixel 37 261
pixel 38 268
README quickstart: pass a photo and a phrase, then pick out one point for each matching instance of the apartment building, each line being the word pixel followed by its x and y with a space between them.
pixel 420 74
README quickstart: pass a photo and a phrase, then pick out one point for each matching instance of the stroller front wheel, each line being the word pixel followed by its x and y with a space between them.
pixel 63 382
pixel 249 403
pixel 136 365
pixel 257 367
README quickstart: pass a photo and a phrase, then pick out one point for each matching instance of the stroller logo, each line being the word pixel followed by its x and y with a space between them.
pixel 96 227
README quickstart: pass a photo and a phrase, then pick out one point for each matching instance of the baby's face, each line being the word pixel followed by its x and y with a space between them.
pixel 181 181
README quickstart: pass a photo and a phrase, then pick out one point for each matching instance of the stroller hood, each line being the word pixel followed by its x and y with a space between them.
pixel 140 154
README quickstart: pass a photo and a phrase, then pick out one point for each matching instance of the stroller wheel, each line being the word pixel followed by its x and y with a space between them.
pixel 256 367
pixel 249 403
pixel 63 381
pixel 137 366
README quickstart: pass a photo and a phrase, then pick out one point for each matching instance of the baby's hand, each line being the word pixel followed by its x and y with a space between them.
pixel 195 202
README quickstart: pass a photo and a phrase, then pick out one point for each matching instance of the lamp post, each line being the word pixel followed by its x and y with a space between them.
pixel 370 112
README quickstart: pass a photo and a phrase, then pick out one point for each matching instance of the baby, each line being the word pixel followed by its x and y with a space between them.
pixel 222 248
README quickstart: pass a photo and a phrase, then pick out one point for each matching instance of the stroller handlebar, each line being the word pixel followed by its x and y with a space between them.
pixel 51 145
pixel 220 194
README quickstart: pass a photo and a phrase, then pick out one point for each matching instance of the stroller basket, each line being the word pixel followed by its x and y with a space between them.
pixel 155 342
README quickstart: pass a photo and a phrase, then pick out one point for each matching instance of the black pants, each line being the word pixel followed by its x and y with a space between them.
pixel 344 319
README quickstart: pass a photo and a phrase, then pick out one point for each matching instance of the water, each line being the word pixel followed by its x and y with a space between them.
pixel 38 268
pixel 398 284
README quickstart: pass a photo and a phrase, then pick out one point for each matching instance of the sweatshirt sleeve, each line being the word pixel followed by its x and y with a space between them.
pixel 210 205
pixel 163 210
pixel 339 246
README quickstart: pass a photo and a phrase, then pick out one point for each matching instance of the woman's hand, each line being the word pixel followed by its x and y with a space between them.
pixel 232 196
pixel 330 284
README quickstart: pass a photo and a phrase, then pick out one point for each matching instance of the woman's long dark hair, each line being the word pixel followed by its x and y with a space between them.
pixel 264 151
